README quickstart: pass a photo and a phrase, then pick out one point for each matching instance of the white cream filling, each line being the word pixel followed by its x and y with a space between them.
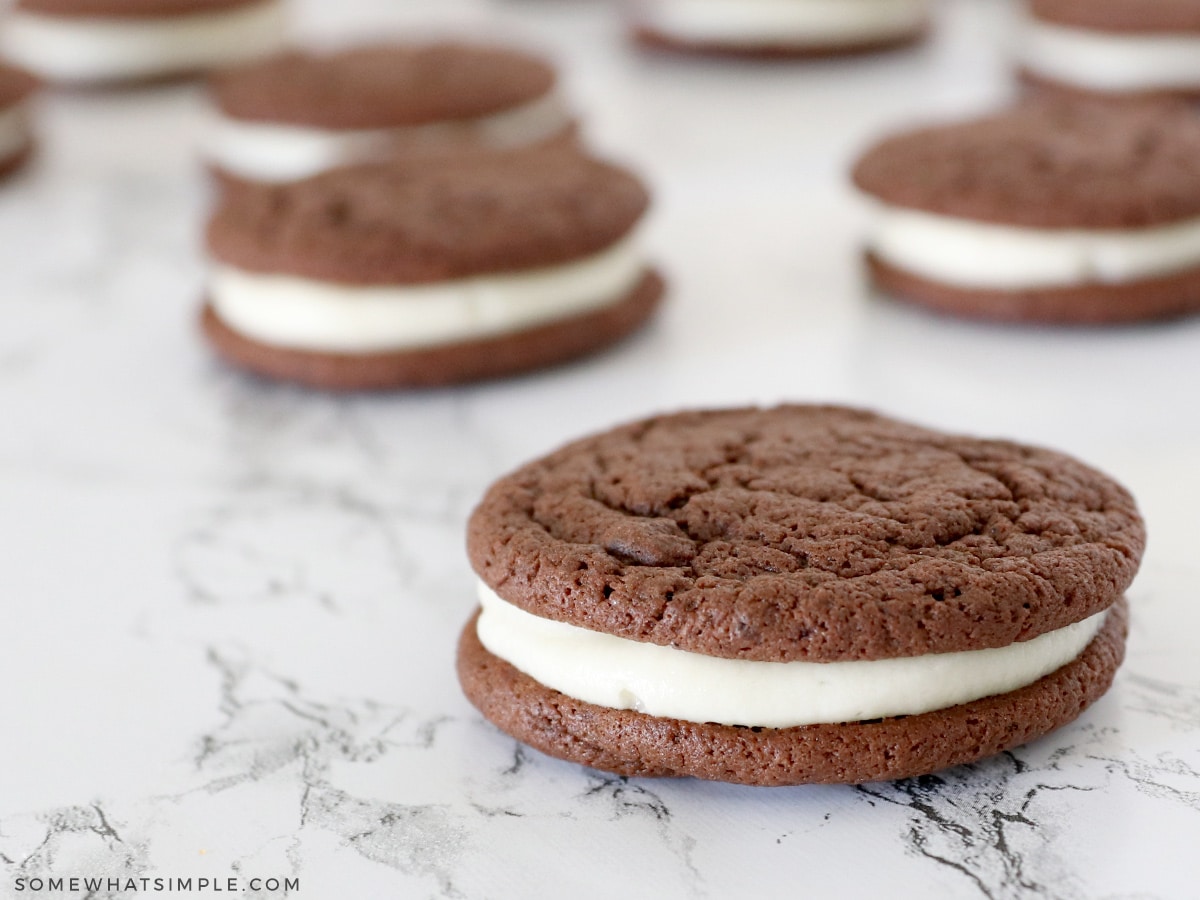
pixel 266 151
pixel 972 254
pixel 303 314
pixel 800 22
pixel 617 673
pixel 14 130
pixel 1106 61
pixel 69 49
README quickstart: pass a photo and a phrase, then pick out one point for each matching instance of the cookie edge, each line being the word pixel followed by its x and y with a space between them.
pixel 836 754
pixel 1094 304
pixel 652 39
pixel 514 353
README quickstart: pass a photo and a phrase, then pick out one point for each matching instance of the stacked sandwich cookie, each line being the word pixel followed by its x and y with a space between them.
pixel 793 595
pixel 389 275
pixel 107 41
pixel 1113 48
pixel 1055 211
pixel 16 133
pixel 299 114
pixel 779 27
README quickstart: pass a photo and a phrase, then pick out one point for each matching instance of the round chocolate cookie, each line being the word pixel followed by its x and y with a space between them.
pixel 806 533
pixel 1047 163
pixel 382 86
pixel 796 539
pixel 435 272
pixel 433 221
pixel 1055 211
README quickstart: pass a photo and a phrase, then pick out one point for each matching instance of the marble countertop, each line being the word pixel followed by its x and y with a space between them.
pixel 230 608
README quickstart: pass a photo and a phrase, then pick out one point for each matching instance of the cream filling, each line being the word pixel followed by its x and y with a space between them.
pixel 303 314
pixel 14 130
pixel 107 49
pixel 800 22
pixel 617 673
pixel 972 254
pixel 265 151
pixel 1104 61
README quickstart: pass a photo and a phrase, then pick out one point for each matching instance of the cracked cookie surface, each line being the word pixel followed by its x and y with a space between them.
pixel 806 533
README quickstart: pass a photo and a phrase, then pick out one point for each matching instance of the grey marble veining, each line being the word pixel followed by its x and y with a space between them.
pixel 231 607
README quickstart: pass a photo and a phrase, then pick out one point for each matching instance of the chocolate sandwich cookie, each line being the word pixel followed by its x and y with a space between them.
pixel 1054 211
pixel 391 274
pixel 781 28
pixel 108 41
pixel 1113 48
pixel 793 595
pixel 298 114
pixel 16 133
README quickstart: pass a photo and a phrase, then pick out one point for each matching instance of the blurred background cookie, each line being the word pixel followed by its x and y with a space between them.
pixel 1054 211
pixel 298 114
pixel 105 41
pixel 387 275
pixel 1113 47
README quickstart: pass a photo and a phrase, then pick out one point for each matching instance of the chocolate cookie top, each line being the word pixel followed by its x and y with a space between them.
pixel 1047 164
pixel 806 533
pixel 383 86
pixel 127 8
pixel 1121 15
pixel 15 85
pixel 408 223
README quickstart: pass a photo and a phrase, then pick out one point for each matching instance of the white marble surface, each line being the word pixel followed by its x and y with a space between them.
pixel 230 608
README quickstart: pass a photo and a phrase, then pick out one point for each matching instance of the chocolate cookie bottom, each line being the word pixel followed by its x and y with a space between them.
pixel 506 354
pixel 654 39
pixel 1085 304
pixel 632 743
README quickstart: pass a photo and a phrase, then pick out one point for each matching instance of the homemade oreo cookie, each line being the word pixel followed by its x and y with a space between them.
pixel 779 27
pixel 16 133
pixel 386 275
pixel 1054 211
pixel 1113 47
pixel 302 113
pixel 106 41
pixel 793 595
